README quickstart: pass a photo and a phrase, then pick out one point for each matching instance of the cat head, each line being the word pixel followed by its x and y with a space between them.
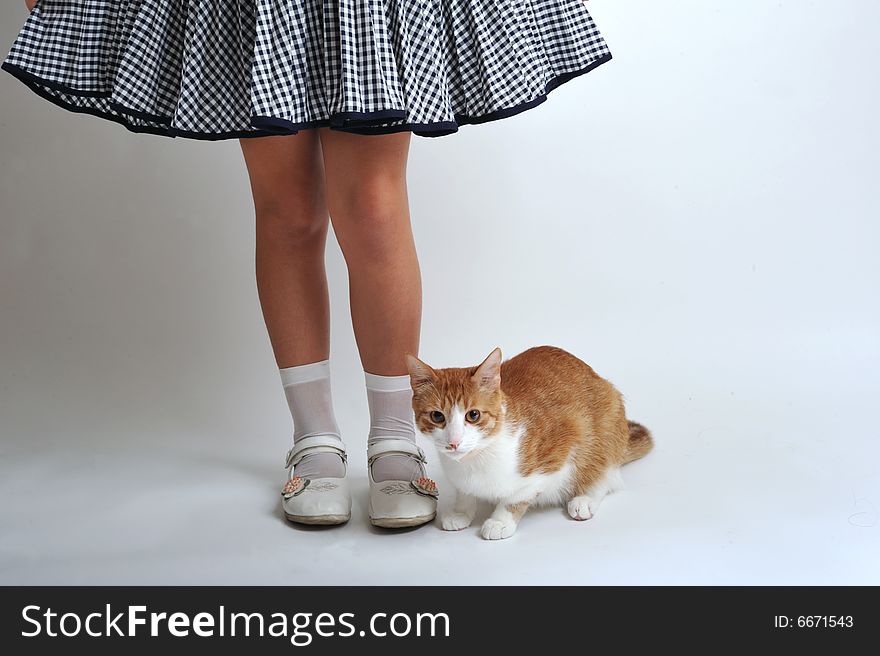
pixel 458 408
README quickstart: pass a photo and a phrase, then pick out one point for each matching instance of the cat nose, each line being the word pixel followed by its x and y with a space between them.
pixel 453 444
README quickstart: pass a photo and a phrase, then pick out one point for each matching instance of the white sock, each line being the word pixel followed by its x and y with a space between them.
pixel 307 388
pixel 391 415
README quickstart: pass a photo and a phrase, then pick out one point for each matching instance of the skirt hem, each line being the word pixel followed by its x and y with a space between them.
pixel 364 123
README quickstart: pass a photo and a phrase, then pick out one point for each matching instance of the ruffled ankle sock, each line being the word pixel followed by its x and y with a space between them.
pixel 391 415
pixel 307 388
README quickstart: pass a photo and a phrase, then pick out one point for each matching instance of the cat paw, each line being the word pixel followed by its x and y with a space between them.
pixel 455 521
pixel 581 508
pixel 496 529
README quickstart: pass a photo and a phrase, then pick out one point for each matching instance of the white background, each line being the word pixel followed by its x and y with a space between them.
pixel 697 219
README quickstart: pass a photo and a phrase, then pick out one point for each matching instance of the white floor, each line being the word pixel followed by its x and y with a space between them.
pixel 742 489
pixel 697 220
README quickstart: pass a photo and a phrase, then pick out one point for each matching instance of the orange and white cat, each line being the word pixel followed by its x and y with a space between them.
pixel 539 428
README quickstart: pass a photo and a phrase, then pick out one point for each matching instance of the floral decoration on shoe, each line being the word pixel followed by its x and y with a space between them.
pixel 426 487
pixel 294 486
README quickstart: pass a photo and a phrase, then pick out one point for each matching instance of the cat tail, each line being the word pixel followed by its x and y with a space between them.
pixel 640 442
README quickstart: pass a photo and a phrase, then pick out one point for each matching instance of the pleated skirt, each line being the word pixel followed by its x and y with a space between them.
pixel 226 69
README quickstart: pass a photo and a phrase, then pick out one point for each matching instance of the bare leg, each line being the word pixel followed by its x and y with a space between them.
pixel 367 198
pixel 287 181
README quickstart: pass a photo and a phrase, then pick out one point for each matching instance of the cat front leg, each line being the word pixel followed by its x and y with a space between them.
pixel 504 520
pixel 462 514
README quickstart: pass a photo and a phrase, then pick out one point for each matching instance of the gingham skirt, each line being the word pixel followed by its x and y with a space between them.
pixel 236 68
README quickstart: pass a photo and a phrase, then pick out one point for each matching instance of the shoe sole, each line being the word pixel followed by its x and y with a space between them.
pixel 318 520
pixel 401 522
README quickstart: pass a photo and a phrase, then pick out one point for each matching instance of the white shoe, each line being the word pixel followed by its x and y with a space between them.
pixel 398 504
pixel 324 501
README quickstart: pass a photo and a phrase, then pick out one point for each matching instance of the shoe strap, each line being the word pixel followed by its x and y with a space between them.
pixel 314 444
pixel 379 447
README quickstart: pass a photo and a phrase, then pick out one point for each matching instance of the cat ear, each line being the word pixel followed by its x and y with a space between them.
pixel 488 373
pixel 420 374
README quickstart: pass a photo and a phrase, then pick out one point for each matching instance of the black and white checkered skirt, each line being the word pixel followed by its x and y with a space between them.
pixel 236 68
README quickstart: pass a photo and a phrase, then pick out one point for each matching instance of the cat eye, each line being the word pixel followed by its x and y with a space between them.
pixel 437 417
pixel 473 415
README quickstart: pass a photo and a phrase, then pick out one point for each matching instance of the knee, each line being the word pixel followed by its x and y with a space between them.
pixel 371 220
pixel 291 222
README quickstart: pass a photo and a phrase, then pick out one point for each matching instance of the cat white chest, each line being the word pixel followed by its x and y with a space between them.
pixel 493 473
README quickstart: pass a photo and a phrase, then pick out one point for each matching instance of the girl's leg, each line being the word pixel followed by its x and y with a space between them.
pixel 367 198
pixel 287 181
